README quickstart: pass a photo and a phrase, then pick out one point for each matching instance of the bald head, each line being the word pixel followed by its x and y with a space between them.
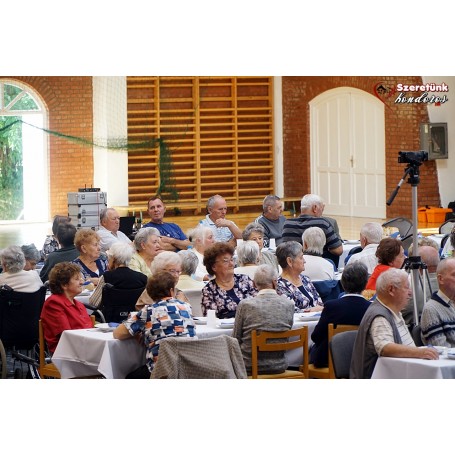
pixel 430 256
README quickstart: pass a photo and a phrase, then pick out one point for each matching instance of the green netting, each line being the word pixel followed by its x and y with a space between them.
pixel 165 167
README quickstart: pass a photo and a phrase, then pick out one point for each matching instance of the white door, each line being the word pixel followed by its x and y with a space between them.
pixel 347 143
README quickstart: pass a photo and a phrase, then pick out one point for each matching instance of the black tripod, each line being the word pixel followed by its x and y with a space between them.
pixel 413 263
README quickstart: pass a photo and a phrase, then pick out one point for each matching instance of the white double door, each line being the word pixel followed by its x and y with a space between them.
pixel 347 143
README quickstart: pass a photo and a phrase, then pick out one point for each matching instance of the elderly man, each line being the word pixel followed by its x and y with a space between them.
pixel 438 316
pixel 272 219
pixel 430 257
pixel 311 209
pixel 267 311
pixel 224 230
pixel 172 237
pixel 383 331
pixel 370 236
pixel 109 229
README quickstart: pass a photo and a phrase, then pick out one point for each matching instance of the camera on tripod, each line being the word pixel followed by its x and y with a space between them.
pixel 414 158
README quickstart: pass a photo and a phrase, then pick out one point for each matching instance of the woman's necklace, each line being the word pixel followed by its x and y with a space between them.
pixel 295 280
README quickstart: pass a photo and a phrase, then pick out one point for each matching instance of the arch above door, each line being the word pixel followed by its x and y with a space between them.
pixel 347 152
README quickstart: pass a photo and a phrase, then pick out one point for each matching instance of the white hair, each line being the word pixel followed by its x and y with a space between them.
pixel 309 200
pixel 373 232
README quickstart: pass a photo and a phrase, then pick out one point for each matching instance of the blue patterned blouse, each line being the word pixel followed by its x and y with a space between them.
pixel 302 300
pixel 225 302
pixel 101 263
pixel 167 318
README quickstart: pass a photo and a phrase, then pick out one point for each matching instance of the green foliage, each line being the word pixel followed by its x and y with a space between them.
pixel 11 172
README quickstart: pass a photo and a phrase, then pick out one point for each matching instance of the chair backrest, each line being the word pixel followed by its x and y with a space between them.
pixel 117 303
pixel 416 334
pixel 443 242
pixel 333 330
pixel 404 225
pixel 446 227
pixel 328 289
pixel 207 358
pixel 195 298
pixel 264 341
pixel 341 347
pixel 19 316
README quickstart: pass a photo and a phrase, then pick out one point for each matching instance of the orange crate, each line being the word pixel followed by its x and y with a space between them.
pixel 437 215
pixel 422 215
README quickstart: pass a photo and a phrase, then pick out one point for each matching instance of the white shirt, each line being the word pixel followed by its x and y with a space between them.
pixel 23 281
pixel 367 256
pixel 318 268
pixel 108 238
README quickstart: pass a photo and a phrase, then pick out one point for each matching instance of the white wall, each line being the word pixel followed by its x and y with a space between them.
pixel 445 114
pixel 109 123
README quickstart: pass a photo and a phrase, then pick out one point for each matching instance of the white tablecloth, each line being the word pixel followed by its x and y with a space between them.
pixel 394 368
pixel 88 352
pixel 294 357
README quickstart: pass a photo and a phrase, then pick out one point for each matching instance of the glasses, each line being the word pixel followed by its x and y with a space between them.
pixel 226 261
pixel 174 272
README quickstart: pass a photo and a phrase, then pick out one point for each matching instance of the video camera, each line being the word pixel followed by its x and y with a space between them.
pixel 414 158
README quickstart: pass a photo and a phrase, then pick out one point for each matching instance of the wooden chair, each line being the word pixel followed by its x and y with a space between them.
pixel 48 370
pixel 259 343
pixel 332 332
pixel 327 372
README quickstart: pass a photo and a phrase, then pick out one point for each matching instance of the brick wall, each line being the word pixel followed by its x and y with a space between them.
pixel 69 104
pixel 402 133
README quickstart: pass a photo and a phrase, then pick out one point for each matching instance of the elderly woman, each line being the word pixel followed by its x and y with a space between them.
pixel 61 311
pixel 14 275
pixel 293 283
pixel 255 232
pixel 32 256
pixel 247 258
pixel 390 253
pixel 189 266
pixel 166 261
pixel 147 245
pixel 201 237
pixel 167 317
pixel 316 267
pixel 119 274
pixel 92 266
pixel 224 292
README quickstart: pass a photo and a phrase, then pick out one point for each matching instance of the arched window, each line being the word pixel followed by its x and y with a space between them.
pixel 24 183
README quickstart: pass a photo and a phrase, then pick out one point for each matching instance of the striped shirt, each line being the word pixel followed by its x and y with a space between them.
pixel 381 333
pixel 294 228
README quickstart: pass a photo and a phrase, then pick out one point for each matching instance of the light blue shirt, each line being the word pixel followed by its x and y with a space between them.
pixel 221 234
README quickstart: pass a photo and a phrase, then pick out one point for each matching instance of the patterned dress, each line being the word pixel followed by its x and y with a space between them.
pixel 101 263
pixel 225 302
pixel 302 300
pixel 167 318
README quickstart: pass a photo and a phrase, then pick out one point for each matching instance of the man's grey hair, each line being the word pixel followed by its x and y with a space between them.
pixel 354 278
pixel 309 200
pixel 143 235
pixel 211 200
pixel 121 252
pixel 103 213
pixel 269 201
pixel 264 276
pixel 164 260
pixel 391 277
pixel 248 253
pixel 252 228
pixel 189 262
pixel 443 265
pixel 373 232
pixel 13 258
pixel 314 238
pixel 31 253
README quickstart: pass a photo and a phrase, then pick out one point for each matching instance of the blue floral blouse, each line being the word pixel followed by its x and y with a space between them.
pixel 167 318
pixel 225 302
pixel 101 263
pixel 292 292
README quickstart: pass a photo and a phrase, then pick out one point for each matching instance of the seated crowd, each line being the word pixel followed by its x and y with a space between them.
pixel 241 276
